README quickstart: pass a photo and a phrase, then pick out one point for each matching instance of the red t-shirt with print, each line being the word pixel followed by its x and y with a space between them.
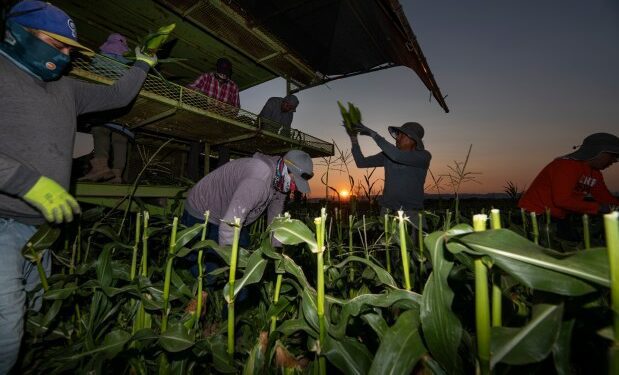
pixel 562 187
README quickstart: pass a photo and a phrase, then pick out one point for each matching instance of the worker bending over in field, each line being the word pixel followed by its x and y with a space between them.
pixel 245 188
pixel 406 165
pixel 39 108
pixel 573 183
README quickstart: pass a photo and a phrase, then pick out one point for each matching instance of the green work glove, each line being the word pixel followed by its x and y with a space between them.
pixel 141 56
pixel 52 200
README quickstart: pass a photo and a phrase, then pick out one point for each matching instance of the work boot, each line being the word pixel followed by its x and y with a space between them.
pixel 99 171
pixel 118 177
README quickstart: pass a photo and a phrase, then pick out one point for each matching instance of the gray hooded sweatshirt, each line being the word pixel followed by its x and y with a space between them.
pixel 38 123
pixel 241 188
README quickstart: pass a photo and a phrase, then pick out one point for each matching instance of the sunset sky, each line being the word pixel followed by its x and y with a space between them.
pixel 525 81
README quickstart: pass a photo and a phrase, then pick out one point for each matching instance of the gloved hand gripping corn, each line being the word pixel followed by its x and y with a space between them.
pixel 147 51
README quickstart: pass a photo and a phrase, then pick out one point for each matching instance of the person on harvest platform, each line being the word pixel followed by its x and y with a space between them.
pixel 406 165
pixel 281 110
pixel 39 107
pixel 573 183
pixel 245 188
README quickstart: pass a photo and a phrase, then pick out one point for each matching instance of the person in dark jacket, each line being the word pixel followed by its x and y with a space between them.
pixel 406 166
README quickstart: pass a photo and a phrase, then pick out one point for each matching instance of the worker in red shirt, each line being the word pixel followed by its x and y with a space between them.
pixel 573 183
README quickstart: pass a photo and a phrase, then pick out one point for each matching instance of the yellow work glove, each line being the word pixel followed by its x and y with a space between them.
pixel 141 56
pixel 52 200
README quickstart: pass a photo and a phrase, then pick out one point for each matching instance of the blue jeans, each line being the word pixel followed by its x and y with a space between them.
pixel 17 276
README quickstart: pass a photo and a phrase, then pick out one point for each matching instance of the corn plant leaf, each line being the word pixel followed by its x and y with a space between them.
pixel 401 347
pixel 51 314
pixel 221 360
pixel 292 232
pixel 291 326
pixel 531 343
pixel 61 292
pixel 40 241
pixel 367 302
pixel 176 339
pixel 252 274
pixel 309 309
pixel 347 354
pixel 256 360
pixel 383 276
pixel 186 235
pixel 377 322
pixel 540 268
pixel 441 327
pixel 277 308
pixel 607 333
pixel 110 233
pixel 113 343
pixel 225 253
pixel 561 350
pixel 103 265
pixel 179 285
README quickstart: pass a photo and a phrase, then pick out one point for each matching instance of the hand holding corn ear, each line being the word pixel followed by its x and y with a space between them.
pixel 147 51
pixel 351 117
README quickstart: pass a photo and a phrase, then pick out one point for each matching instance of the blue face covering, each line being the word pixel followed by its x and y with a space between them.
pixel 32 54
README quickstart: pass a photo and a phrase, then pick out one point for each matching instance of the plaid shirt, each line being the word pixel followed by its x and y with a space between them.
pixel 210 85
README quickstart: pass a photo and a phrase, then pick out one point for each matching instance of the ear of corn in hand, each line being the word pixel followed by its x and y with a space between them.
pixel 351 116
pixel 154 41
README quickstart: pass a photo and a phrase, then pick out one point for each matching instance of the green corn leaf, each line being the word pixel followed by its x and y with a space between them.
pixel 41 240
pixel 348 355
pixel 252 274
pixel 537 267
pixel 442 328
pixel 292 232
pixel 186 235
pixel 176 339
pixel 382 274
pixel 531 343
pixel 401 347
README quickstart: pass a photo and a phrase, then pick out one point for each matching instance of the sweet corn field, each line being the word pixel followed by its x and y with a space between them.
pixel 348 292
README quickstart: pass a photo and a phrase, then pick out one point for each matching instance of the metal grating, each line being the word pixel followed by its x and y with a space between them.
pixel 220 24
pixel 193 108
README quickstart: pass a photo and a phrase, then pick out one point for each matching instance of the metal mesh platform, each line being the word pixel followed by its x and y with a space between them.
pixel 165 108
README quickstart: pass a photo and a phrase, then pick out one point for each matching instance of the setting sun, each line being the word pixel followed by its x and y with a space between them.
pixel 344 193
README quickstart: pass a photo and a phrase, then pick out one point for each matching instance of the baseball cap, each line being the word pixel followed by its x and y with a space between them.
pixel 48 19
pixel 300 164
pixel 595 144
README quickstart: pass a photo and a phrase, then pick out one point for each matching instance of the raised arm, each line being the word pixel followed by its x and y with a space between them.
pixel 92 97
pixel 365 161
pixel 414 158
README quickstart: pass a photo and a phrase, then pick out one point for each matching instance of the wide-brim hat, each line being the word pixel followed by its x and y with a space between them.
pixel 595 144
pixel 300 164
pixel 413 130
pixel 49 20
